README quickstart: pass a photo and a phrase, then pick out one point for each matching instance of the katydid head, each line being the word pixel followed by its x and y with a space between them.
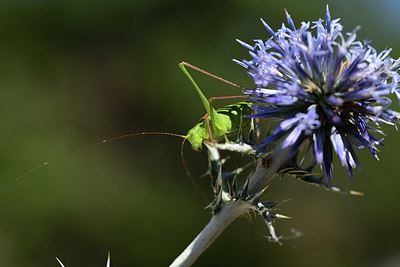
pixel 196 135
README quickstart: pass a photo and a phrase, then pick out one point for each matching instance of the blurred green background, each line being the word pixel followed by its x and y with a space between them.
pixel 75 72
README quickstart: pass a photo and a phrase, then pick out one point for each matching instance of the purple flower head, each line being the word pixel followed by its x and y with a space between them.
pixel 325 87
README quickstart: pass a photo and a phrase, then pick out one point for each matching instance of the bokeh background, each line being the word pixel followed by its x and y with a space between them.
pixel 75 72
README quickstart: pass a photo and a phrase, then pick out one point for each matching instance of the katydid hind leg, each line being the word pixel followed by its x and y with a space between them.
pixel 227 97
pixel 211 124
pixel 206 103
pixel 211 75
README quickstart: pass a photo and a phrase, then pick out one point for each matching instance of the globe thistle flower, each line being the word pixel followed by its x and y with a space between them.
pixel 324 87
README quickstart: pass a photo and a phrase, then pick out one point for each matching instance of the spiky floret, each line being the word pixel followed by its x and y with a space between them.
pixel 324 87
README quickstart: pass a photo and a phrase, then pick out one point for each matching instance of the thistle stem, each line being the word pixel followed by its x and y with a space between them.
pixel 211 231
pixel 231 210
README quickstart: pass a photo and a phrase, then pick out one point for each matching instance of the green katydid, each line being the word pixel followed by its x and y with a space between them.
pixel 213 126
pixel 216 124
